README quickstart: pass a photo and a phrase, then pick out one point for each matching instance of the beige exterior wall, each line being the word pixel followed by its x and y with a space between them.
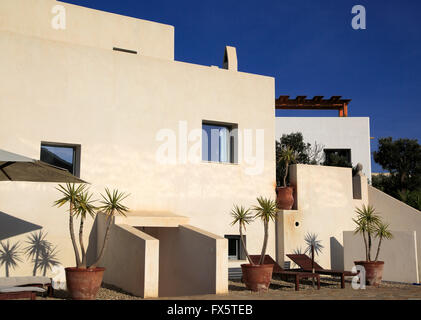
pixel 77 90
pixel 324 206
pixel 87 27
pixel 131 259
pixel 400 265
pixel 400 216
pixel 191 261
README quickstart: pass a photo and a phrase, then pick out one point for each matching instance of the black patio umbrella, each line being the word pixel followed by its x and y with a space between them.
pixel 14 167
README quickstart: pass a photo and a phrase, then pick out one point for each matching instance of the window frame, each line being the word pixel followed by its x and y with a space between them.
pixel 77 148
pixel 334 150
pixel 232 141
pixel 240 254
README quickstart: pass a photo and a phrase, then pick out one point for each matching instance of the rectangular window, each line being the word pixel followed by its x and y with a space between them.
pixel 338 157
pixel 65 156
pixel 219 142
pixel 235 250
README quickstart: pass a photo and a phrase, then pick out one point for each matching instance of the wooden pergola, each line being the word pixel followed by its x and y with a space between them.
pixel 317 103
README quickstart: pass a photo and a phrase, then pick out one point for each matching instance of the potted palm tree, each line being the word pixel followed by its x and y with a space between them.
pixel 256 277
pixel 83 281
pixel 370 226
pixel 285 198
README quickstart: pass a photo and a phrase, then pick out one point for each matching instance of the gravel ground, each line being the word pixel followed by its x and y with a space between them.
pixel 281 290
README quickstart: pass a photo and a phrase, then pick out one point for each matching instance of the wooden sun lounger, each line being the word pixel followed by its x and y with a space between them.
pixel 285 274
pixel 20 293
pixel 305 263
pixel 21 287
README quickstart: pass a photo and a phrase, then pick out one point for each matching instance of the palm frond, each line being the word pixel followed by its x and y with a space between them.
pixel 266 210
pixel 311 240
pixel 85 205
pixel 383 231
pixel 112 203
pixel 241 216
pixel 367 220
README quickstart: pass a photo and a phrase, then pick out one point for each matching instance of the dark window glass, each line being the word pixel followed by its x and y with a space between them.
pixel 234 247
pixel 338 157
pixel 60 156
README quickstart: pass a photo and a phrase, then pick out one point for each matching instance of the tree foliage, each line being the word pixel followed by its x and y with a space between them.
pixel 337 160
pixel 304 153
pixel 402 159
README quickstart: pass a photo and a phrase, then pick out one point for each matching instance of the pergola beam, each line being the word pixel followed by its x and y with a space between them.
pixel 317 103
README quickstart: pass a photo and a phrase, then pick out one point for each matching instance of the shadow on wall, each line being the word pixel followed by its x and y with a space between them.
pixel 10 256
pixel 39 251
pixel 336 254
pixel 91 251
pixel 11 226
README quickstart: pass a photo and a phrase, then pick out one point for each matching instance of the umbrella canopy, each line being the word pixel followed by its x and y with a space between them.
pixel 14 167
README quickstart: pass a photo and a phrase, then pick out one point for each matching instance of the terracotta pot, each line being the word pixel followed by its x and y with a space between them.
pixel 257 277
pixel 373 271
pixel 285 198
pixel 83 284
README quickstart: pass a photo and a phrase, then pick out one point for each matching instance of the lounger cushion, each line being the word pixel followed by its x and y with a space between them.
pixel 21 289
pixel 23 281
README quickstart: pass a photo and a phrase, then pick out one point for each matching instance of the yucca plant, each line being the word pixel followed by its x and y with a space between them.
pixel 71 195
pixel 286 156
pixel 314 245
pixel 243 217
pixel 382 232
pixel 111 206
pixel 84 205
pixel 266 211
pixel 370 225
pixel 81 205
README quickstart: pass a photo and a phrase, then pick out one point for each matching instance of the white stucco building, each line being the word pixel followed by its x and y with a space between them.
pixel 103 97
pixel 350 134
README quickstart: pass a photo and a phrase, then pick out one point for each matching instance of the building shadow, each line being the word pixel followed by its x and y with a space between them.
pixel 11 226
pixel 336 254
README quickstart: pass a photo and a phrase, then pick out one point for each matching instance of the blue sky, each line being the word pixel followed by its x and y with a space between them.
pixel 310 48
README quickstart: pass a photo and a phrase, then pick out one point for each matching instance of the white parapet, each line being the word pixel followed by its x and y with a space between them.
pixel 152 261
pixel 152 219
pixel 399 255
pixel 399 216
pixel 131 259
pixel 192 261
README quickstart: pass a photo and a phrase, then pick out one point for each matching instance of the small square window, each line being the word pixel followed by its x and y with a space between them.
pixel 235 248
pixel 219 142
pixel 65 156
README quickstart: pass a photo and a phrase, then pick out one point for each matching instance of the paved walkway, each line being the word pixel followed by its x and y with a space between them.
pixel 281 290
